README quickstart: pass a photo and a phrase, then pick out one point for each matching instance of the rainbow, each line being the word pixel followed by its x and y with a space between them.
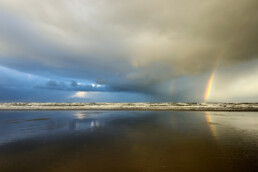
pixel 211 78
pixel 209 86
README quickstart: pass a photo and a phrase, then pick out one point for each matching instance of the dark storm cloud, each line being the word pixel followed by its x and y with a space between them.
pixel 30 95
pixel 27 49
pixel 72 86
pixel 52 84
pixel 74 83
pixel 134 46
pixel 19 86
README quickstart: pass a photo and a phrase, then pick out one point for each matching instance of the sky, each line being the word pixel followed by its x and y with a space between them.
pixel 128 51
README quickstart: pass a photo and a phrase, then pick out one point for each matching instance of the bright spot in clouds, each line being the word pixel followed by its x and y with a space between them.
pixel 79 94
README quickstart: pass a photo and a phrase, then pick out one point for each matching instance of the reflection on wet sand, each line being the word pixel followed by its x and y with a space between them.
pixel 211 124
pixel 128 141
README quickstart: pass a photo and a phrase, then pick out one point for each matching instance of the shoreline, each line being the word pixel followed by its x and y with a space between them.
pixel 132 106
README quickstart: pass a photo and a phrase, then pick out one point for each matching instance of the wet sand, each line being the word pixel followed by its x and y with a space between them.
pixel 128 141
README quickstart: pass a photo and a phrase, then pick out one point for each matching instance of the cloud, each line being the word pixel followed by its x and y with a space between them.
pixel 71 86
pixel 52 83
pixel 74 83
pixel 240 84
pixel 135 46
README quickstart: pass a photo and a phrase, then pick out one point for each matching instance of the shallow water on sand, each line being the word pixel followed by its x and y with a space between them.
pixel 128 141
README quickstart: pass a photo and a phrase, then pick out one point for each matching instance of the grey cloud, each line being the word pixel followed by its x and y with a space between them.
pixel 52 83
pixel 128 45
pixel 74 83
pixel 73 86
pixel 114 87
pixel 101 81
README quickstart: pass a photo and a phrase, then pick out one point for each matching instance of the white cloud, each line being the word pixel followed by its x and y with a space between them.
pixel 239 83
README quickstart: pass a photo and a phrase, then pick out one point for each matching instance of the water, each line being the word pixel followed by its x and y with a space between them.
pixel 128 141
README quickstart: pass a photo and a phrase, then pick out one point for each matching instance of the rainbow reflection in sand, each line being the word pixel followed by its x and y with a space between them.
pixel 210 124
